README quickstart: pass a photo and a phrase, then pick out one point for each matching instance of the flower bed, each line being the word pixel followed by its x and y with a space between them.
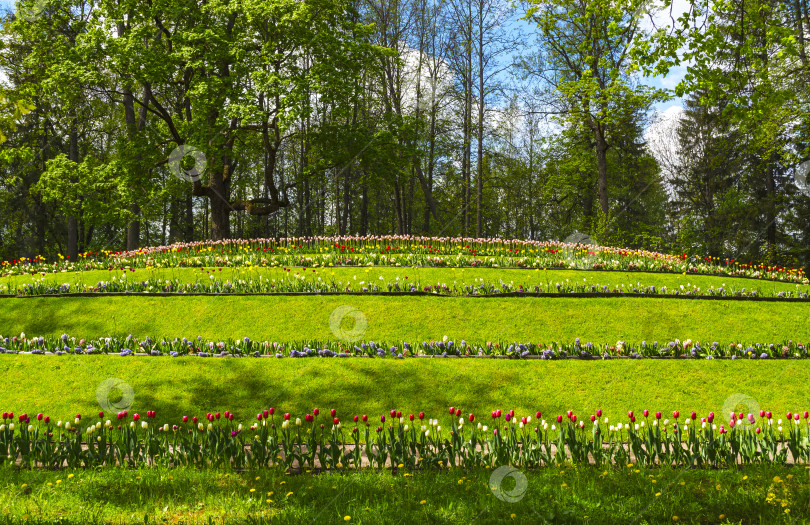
pixel 400 251
pixel 404 441
pixel 301 283
pixel 246 347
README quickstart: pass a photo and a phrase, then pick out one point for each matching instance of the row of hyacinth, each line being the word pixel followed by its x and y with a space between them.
pixel 408 442
pixel 302 283
pixel 400 251
pixel 246 347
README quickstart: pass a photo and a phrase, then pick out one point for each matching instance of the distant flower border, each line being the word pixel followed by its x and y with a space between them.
pixel 402 251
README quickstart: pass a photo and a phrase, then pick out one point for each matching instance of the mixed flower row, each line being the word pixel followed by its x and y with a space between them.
pixel 445 347
pixel 401 251
pixel 302 283
pixel 400 441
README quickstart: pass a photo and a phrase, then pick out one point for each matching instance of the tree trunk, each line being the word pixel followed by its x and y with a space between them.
pixel 73 222
pixel 601 160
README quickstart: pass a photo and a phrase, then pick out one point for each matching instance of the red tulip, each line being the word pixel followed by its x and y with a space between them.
pixel 217 415
pixel 768 414
pixel 761 413
pixel 78 416
pixel 559 419
pixel 452 410
pixel 632 419
pixel 733 415
pixel 458 412
pixel 599 413
pixel 410 416
pixel 759 430
pixel 731 423
pixel 806 414
pixel 356 419
pixel 332 412
pixel 740 415
pixel 265 414
pixel 39 417
pixel 539 415
pixel 421 415
pixel 574 418
pixel 393 414
pixel 47 419
pixel 523 420
pixel 185 419
pixel 100 415
pixel 194 419
pixel 658 415
pixel 399 413
pixel 286 416
pixel 646 412
pixel 136 417
pixel 593 417
pixel 568 413
pixel 336 421
pixel 789 415
pixel 675 414
pixel 365 418
pixel 796 416
pixel 693 415
pixel 471 417
pixel 258 417
pixel 498 413
pixel 630 414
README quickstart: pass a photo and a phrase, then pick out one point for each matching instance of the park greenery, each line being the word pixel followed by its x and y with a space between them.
pixel 405 261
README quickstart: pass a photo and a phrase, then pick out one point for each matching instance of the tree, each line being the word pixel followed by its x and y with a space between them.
pixel 585 59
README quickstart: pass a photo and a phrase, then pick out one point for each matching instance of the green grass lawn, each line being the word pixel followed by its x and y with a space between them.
pixel 525 319
pixel 759 494
pixel 63 386
pixel 544 278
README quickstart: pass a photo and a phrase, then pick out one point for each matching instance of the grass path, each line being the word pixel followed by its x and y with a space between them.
pixel 528 278
pixel 760 494
pixel 66 385
pixel 527 319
